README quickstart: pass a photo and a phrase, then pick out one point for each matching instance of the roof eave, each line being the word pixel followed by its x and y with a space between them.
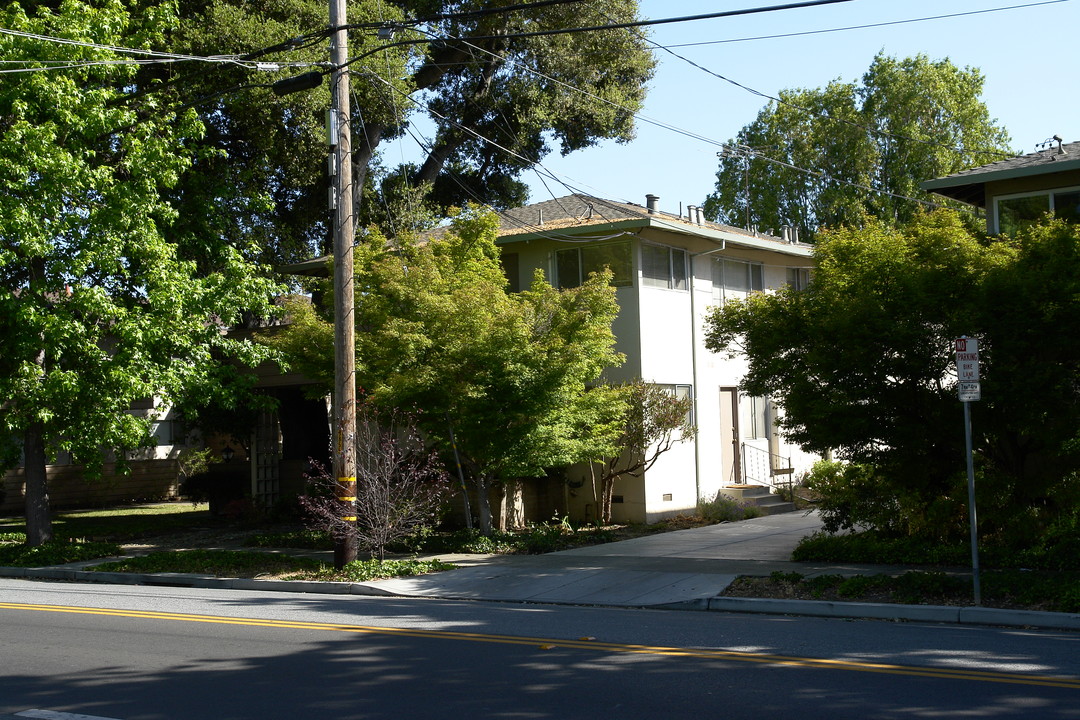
pixel 719 236
pixel 968 187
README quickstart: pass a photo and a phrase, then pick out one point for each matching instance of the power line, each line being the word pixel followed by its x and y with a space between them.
pixel 119 49
pixel 866 26
pixel 662 21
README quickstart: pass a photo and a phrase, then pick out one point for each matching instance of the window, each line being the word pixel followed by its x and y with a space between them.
pixel 736 278
pixel 758 410
pixel 1014 212
pixel 574 265
pixel 663 267
pixel 798 278
pixel 682 392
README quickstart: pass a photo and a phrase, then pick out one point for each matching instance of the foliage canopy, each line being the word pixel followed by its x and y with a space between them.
pixel 862 362
pixel 829 156
pixel 103 301
pixel 438 333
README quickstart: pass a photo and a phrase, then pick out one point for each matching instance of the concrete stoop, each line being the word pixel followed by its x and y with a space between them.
pixel 760 496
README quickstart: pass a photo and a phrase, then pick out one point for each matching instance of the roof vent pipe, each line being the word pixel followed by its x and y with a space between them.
pixel 650 202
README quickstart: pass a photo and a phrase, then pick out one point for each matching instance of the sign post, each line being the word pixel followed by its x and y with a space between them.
pixel 967 372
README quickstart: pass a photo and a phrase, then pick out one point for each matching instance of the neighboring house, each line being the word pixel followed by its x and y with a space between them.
pixel 1021 189
pixel 668 270
pixel 152 472
pixel 267 462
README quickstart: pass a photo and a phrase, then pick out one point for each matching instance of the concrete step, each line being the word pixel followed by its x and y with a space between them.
pixel 760 496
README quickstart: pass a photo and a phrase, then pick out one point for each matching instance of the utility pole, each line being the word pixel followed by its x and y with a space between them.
pixel 341 200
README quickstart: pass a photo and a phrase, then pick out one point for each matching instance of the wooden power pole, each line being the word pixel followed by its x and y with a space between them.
pixel 344 321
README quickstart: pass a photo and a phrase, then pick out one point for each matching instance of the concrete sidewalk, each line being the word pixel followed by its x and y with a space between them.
pixel 661 569
pixel 685 569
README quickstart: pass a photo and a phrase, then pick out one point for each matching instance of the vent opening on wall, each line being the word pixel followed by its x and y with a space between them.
pixel 667 497
pixel 616 498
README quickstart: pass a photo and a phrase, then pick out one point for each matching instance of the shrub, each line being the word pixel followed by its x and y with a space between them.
pixel 724 508
pixel 850 495
pixel 400 485
pixel 871 547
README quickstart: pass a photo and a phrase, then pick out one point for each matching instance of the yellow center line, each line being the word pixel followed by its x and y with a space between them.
pixel 591 645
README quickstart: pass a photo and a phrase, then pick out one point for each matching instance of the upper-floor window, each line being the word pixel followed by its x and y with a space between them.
pixel 736 278
pixel 798 278
pixel 663 267
pixel 1014 212
pixel 573 265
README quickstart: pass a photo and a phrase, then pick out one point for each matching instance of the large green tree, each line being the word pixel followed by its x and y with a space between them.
pixel 102 301
pixel 507 373
pixel 483 102
pixel 829 156
pixel 862 363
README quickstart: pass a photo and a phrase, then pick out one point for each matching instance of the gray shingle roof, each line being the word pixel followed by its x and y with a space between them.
pixel 572 211
pixel 969 185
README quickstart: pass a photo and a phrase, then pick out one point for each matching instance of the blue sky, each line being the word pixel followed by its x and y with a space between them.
pixel 1027 56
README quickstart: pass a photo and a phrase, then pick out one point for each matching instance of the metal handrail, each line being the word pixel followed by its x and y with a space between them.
pixel 763 467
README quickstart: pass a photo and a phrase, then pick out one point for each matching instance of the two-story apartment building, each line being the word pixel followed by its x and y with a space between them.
pixel 668 270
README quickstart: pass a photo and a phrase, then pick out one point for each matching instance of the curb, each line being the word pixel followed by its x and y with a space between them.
pixel 948 614
pixel 889 611
pixel 204 582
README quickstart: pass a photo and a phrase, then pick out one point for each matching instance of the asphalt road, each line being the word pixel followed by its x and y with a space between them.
pixel 140 653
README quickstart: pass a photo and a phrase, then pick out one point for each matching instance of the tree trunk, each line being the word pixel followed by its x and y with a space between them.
pixel 483 503
pixel 504 508
pixel 38 517
pixel 609 489
pixel 516 515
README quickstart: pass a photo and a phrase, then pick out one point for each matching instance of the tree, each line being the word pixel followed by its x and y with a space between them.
pixel 507 372
pixel 862 363
pixel 648 423
pixel 498 102
pixel 102 302
pixel 830 156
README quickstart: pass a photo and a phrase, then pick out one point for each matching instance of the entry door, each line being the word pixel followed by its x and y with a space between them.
pixel 730 442
pixel 266 464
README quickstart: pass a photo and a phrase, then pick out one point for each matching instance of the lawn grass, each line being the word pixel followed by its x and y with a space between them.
pixel 120 523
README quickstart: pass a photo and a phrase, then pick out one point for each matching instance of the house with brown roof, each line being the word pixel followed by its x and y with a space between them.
pixel 669 268
pixel 1020 189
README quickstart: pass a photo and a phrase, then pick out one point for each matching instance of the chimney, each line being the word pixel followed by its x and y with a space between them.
pixel 650 202
pixel 690 213
pixel 699 215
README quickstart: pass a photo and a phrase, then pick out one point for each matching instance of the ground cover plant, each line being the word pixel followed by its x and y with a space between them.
pixel 1017 589
pixel 537 538
pixel 57 552
pixel 253 564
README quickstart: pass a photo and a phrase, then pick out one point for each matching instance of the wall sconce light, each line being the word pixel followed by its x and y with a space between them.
pixel 227 453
